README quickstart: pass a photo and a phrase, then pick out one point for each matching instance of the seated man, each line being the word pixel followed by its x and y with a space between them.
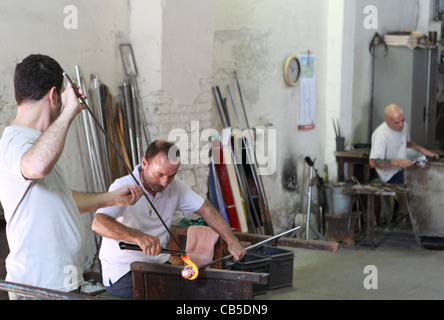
pixel 388 154
pixel 140 225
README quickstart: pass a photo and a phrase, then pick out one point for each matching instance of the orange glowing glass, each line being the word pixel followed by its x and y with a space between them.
pixel 190 271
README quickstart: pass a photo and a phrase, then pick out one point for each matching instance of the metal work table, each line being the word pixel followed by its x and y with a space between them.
pixel 371 191
pixel 427 202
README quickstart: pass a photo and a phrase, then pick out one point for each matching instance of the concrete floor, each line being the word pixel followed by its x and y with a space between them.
pixel 405 271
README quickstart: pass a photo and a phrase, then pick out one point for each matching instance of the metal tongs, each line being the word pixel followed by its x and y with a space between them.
pixel 135 247
pixel 421 161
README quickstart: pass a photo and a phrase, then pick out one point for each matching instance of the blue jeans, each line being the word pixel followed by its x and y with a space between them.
pixel 398 178
pixel 123 287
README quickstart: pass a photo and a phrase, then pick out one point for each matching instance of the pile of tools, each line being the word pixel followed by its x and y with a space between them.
pixel 236 188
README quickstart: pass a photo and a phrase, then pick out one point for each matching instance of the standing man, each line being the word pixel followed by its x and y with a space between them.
pixel 43 223
pixel 389 146
pixel 138 224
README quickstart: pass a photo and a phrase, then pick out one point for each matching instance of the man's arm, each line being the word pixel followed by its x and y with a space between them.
pixel 417 147
pixel 108 227
pixel 386 163
pixel 215 220
pixel 41 158
pixel 124 196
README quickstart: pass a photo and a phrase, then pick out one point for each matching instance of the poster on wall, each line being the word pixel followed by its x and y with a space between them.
pixel 307 92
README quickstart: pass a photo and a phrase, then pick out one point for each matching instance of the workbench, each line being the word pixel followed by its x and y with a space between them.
pixel 164 282
pixel 372 191
pixel 153 281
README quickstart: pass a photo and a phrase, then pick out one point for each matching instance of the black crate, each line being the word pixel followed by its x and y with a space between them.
pixel 281 266
pixel 253 263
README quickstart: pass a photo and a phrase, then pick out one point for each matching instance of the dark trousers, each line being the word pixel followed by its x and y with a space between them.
pixel 398 178
pixel 123 287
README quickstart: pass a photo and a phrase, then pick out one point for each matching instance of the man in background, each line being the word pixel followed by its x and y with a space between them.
pixel 388 154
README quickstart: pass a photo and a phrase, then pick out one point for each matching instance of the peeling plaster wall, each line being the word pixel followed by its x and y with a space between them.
pixel 254 38
pixel 174 41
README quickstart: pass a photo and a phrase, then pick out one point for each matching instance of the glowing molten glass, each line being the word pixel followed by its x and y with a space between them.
pixel 190 271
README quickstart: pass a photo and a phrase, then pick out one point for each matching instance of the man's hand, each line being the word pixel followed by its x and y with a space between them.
pixel 236 250
pixel 70 100
pixel 431 154
pixel 127 195
pixel 149 244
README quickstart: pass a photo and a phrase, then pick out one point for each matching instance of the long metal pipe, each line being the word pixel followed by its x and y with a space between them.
pixel 130 122
pixel 307 227
pixel 251 247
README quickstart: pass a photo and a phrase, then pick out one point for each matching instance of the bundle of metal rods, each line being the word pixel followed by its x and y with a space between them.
pixel 93 152
pixel 123 119
pixel 120 116
pixel 252 215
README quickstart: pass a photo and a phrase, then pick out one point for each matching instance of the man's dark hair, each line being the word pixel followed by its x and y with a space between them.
pixel 35 76
pixel 167 148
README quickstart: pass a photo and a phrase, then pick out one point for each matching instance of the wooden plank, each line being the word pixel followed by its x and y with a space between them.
pixel 283 241
pixel 289 242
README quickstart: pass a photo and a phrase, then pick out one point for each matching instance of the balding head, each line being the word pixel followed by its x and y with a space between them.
pixel 394 117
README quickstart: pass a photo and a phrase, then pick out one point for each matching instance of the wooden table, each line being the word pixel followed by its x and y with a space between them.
pixel 353 158
pixel 152 281
pixel 372 191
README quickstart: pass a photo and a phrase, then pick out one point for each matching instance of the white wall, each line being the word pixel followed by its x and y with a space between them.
pixel 173 40
pixel 393 15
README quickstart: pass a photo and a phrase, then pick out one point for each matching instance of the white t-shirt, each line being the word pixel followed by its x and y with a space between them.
pixel 176 196
pixel 389 144
pixel 44 235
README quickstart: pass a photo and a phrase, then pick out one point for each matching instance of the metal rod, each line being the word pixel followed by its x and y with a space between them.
pixel 312 181
pixel 89 143
pixel 219 108
pixel 65 74
pixel 251 160
pixel 245 188
pixel 224 107
pixel 251 247
pixel 136 116
pixel 42 292
pixel 130 122
pixel 307 227
pixel 130 67
pixel 234 107
pixel 135 247
pixel 241 99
